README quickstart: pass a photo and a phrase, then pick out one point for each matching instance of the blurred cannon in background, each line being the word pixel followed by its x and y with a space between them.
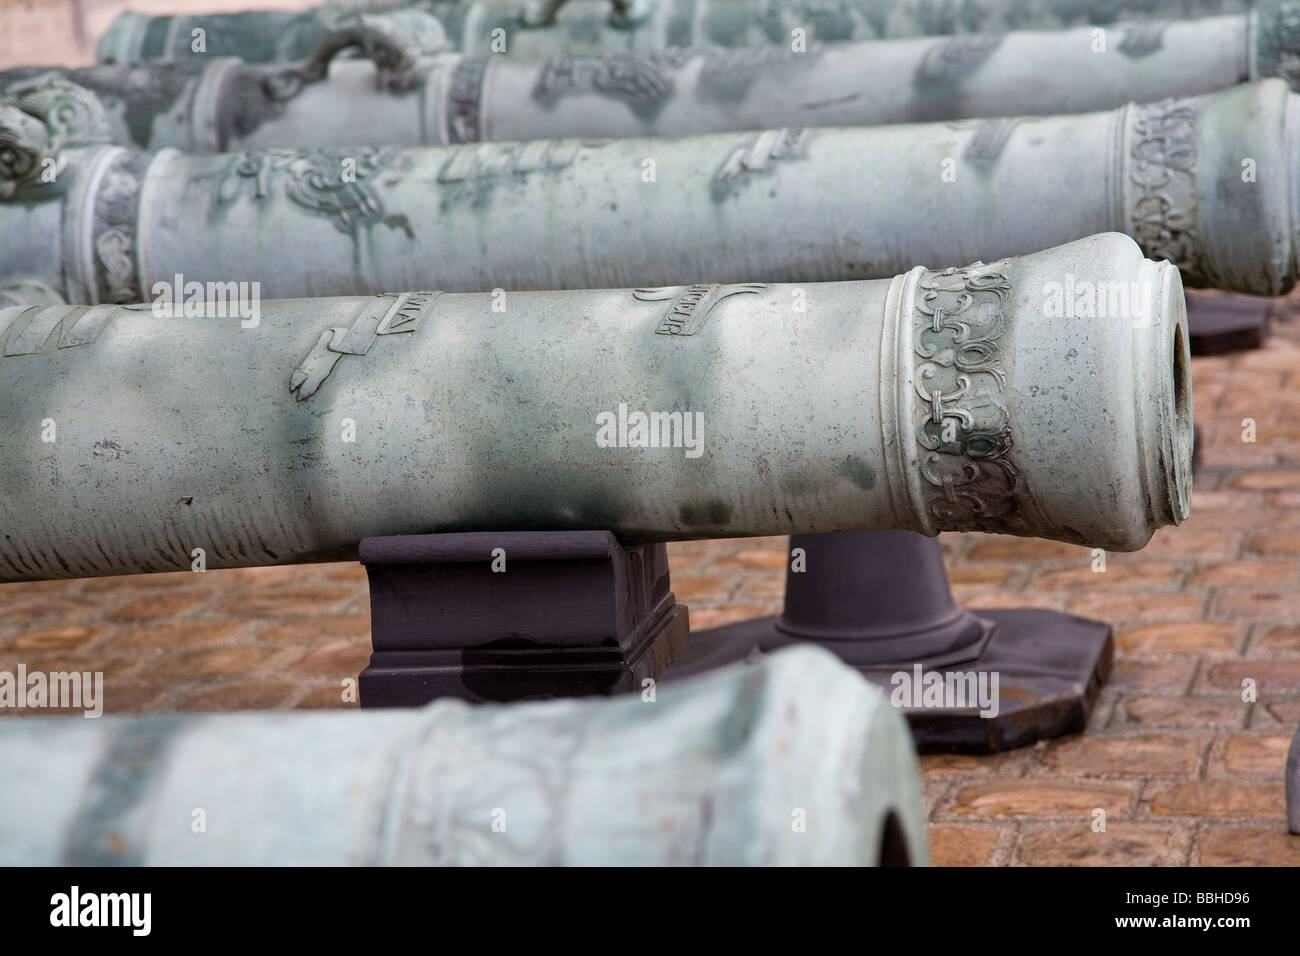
pixel 549 28
pixel 789 205
pixel 401 94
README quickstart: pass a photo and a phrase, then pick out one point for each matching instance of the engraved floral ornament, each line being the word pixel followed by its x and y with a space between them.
pixel 1162 171
pixel 39 117
pixel 964 428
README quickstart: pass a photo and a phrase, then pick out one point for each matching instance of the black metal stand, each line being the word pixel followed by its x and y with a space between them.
pixel 881 601
pixel 494 617
pixel 1226 323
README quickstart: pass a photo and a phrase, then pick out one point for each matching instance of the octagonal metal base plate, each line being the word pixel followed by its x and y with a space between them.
pixel 1050 668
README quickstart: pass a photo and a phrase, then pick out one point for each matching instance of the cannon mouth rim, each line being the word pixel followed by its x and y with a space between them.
pixel 1185 436
pixel 1175 425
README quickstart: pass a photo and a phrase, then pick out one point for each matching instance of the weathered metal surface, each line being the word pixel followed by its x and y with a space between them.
pixel 1206 182
pixel 794 760
pixel 543 29
pixel 949 400
pixel 402 97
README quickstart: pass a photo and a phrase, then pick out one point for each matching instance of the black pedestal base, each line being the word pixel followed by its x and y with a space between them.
pixel 1050 669
pixel 515 616
pixel 1226 323
pixel 880 601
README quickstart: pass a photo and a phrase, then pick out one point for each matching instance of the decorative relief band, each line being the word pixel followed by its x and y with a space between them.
pixel 331 182
pixel 1162 206
pixel 116 210
pixel 387 314
pixel 962 422
pixel 464 101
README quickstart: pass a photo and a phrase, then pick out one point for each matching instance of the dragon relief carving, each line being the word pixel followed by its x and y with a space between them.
pixel 394 44
pixel 963 426
pixel 334 183
pixel 1162 211
pixel 39 117
pixel 385 41
pixel 44 114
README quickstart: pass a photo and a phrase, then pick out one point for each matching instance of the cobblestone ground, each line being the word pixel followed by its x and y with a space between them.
pixel 1186 771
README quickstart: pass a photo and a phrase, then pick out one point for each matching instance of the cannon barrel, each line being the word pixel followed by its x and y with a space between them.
pixel 590 26
pixel 405 98
pixel 1207 182
pixel 1046 396
pixel 721 770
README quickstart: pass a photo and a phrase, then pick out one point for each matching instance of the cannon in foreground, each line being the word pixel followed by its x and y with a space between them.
pixel 1206 182
pixel 793 760
pixel 939 400
pixel 544 29
pixel 402 97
